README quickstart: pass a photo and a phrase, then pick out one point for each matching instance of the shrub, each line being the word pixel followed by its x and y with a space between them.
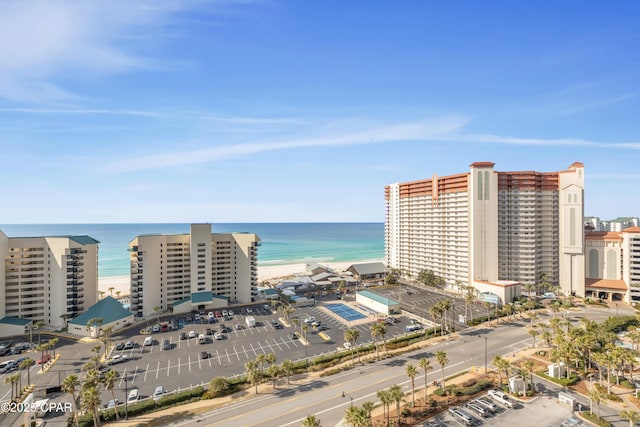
pixel 561 381
pixel 620 323
pixel 181 396
pixel 468 383
pixel 593 418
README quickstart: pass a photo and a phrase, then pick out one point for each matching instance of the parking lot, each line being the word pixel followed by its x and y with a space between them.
pixel 529 414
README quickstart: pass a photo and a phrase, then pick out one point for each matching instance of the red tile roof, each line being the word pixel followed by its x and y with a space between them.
pixel 606 284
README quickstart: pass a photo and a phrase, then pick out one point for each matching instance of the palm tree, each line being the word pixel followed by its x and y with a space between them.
pixel 111 291
pixel 270 358
pixel 488 306
pixel 385 399
pixel 273 372
pixel 395 391
pixel 261 359
pixel 287 369
pixel 69 385
pixel 101 294
pixel 109 382
pixel 118 294
pixel 10 380
pixel 253 374
pixel 38 325
pixel 426 366
pixel 411 373
pixel 356 417
pixel 377 331
pixel 595 396
pixel 529 366
pixel 502 365
pixel 351 336
pixel 90 402
pixel 632 416
pixel 27 364
pixel 367 407
pixel 52 343
pixel 534 333
pixel 469 298
pixel 311 421
pixel 157 310
pixel 442 359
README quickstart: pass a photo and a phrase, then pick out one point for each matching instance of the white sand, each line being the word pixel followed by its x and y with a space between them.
pixel 121 283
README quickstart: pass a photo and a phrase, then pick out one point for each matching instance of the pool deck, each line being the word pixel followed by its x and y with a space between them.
pixel 369 317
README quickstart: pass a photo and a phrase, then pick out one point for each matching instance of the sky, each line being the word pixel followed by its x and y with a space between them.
pixel 297 111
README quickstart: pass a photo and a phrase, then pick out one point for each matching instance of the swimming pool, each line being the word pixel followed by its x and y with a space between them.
pixel 346 312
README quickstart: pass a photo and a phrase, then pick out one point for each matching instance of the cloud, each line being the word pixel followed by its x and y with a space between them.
pixel 96 111
pixel 41 41
pixel 595 104
pixel 410 131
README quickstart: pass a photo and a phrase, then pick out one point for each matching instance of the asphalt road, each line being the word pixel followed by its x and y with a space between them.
pixel 324 397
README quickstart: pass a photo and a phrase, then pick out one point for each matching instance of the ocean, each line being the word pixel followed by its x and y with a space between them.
pixel 282 243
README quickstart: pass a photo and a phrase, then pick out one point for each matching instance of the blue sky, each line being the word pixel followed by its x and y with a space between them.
pixel 283 111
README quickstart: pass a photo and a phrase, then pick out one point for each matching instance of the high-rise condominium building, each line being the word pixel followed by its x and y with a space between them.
pixel 493 230
pixel 167 269
pixel 47 278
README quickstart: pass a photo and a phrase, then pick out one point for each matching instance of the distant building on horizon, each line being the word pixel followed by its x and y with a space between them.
pixel 618 224
pixel 489 229
pixel 200 269
pixel 46 279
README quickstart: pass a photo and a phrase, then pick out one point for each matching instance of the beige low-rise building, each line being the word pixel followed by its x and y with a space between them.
pixel 169 268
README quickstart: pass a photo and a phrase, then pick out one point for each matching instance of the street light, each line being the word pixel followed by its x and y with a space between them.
pixel 485 352
pixel 126 399
pixel 349 396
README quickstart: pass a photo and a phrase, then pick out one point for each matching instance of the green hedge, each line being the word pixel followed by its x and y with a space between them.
pixel 593 418
pixel 573 379
pixel 181 396
pixel 620 323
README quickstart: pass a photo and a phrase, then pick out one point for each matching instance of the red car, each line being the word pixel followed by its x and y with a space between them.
pixel 44 359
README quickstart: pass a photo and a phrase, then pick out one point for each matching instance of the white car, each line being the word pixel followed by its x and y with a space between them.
pixel 347 345
pixel 156 328
pixel 118 358
pixel 133 395
pixel 230 313
pixel 249 311
pixel 6 366
pixel 309 320
pixel 148 341
pixel 217 336
pixel 192 334
pixel 158 393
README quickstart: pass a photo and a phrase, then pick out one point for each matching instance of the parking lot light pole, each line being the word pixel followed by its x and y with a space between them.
pixel 126 399
pixel 485 352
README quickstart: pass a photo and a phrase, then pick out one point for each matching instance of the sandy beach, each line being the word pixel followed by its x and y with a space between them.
pixel 121 283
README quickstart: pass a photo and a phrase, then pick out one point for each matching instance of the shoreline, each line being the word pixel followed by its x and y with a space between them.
pixel 265 273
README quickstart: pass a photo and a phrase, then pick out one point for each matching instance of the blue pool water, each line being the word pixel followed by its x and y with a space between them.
pixel 346 312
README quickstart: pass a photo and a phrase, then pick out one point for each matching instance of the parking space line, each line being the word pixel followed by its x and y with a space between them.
pixel 135 372
pixel 236 350
pixel 276 342
pixel 261 348
pixel 146 372
pixel 285 343
pixel 199 363
pixel 228 358
pixel 245 351
pixel 210 362
pixel 158 369
pixel 189 363
pixel 255 354
pixel 124 374
pixel 168 366
pixel 219 361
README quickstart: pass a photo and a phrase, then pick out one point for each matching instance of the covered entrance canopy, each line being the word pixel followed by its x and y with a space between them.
pixel 612 290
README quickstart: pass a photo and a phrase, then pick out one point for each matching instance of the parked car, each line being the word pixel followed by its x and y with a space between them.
pixel 118 358
pixel 184 336
pixel 112 403
pixel 156 328
pixel 323 328
pixel 217 336
pixel 157 394
pixel 6 366
pixel 204 355
pixel 148 341
pixel 249 310
pixel 44 359
pixel 134 395
pixel 120 346
pixel 4 351
pixel 192 334
pixel 293 336
pixel 309 320
pixel 501 397
pixel 230 313
pixel 166 345
pixel 129 345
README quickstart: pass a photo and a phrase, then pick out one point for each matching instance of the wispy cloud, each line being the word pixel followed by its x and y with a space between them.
pixel 444 129
pixel 595 104
pixel 411 131
pixel 41 41
pixel 89 111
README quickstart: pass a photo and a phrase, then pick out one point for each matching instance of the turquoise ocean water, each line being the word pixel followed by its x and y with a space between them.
pixel 282 243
